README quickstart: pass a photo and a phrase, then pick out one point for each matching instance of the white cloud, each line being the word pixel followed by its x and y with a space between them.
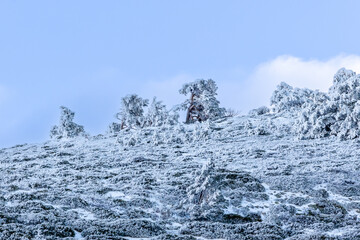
pixel 256 90
pixel 312 74
pixel 245 93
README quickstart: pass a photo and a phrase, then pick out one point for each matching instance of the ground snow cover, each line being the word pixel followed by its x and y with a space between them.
pixel 287 172
pixel 246 177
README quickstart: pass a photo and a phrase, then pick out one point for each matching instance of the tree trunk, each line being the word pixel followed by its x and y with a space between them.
pixel 191 107
pixel 188 115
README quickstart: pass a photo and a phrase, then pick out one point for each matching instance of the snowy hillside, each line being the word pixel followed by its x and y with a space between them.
pixel 266 175
pixel 243 177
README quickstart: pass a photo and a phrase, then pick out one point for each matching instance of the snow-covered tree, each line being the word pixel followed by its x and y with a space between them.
pixel 132 114
pixel 336 113
pixel 199 191
pixel 67 128
pixel 202 104
pixel 157 114
pixel 287 98
pixel 132 111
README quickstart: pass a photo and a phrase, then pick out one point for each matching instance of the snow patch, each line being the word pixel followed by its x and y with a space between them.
pixel 78 235
pixel 118 194
pixel 84 214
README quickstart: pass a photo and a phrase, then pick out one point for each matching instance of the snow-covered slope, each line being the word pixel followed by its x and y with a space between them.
pixel 243 177
pixel 246 177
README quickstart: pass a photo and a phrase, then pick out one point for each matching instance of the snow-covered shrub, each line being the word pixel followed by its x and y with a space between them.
pixel 248 125
pixel 263 128
pixel 156 138
pixel 267 126
pixel 287 98
pixel 283 129
pixel 337 113
pixel 128 139
pixel 180 129
pixel 175 138
pixel 197 133
pixel 131 114
pixel 203 131
pixel 259 111
pixel 260 130
pixel 173 117
pixel 229 112
pixel 114 128
pixel 202 104
pixel 131 137
pixel 166 134
pixel 181 135
pixel 169 135
pixel 131 141
pixel 188 137
pixel 67 128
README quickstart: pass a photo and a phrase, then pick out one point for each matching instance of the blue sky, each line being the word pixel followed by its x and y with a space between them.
pixel 88 54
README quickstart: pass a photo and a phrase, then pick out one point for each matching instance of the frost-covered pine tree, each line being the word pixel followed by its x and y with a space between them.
pixel 336 113
pixel 67 128
pixel 202 104
pixel 205 200
pixel 212 109
pixel 197 193
pixel 157 114
pixel 131 114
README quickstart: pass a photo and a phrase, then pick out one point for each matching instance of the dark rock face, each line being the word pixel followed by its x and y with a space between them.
pixel 125 228
pixel 234 231
pixel 217 195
